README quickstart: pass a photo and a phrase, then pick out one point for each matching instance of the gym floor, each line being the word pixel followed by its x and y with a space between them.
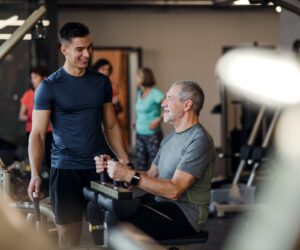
pixel 218 231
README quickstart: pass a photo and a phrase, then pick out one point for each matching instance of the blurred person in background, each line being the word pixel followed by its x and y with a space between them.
pixel 148 119
pixel 105 67
pixel 37 74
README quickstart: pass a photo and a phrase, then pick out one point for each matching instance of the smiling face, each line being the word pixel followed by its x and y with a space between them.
pixel 173 107
pixel 77 52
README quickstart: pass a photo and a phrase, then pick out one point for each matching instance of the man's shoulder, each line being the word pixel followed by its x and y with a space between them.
pixel 168 137
pixel 196 136
pixel 202 137
pixel 56 76
pixel 94 73
pixel 199 131
pixel 99 77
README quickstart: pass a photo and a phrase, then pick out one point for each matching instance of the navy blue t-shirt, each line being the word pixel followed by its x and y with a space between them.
pixel 76 118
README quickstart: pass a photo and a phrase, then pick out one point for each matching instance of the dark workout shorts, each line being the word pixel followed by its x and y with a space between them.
pixel 67 201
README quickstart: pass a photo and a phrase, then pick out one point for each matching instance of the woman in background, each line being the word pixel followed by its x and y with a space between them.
pixel 37 74
pixel 105 67
pixel 148 119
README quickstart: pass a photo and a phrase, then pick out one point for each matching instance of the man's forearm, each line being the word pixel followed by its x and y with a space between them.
pixel 36 150
pixel 115 141
pixel 159 187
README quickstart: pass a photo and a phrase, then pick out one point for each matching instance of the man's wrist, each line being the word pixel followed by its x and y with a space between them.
pixel 135 180
pixel 131 165
pixel 129 175
pixel 35 174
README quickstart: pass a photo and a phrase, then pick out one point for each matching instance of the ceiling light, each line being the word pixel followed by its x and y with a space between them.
pixel 278 9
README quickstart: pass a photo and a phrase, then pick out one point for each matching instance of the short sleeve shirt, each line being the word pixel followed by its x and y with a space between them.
pixel 191 151
pixel 147 110
pixel 76 105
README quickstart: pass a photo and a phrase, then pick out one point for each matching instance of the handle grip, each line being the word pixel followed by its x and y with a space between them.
pixel 36 206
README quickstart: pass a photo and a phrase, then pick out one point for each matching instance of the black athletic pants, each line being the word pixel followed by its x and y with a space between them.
pixel 159 220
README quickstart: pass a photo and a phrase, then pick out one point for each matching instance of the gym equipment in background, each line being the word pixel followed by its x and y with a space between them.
pixel 238 196
pixel 276 84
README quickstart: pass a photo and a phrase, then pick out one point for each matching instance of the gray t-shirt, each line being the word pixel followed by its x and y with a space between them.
pixel 191 151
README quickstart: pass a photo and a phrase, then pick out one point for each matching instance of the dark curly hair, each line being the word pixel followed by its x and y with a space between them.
pixel 71 30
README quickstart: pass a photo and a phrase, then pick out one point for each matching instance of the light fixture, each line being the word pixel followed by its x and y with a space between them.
pixel 278 9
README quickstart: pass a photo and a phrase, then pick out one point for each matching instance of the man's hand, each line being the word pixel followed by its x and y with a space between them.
pixel 101 163
pixel 34 186
pixel 119 171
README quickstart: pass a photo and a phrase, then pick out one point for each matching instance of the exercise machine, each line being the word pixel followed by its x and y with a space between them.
pixel 238 196
pixel 121 203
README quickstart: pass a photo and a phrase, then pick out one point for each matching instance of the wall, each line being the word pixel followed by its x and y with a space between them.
pixel 180 44
pixel 289 26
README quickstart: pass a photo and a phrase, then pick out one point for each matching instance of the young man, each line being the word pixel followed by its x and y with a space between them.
pixel 77 101
pixel 180 176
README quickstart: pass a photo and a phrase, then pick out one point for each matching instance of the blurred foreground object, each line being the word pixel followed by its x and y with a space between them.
pixel 16 234
pixel 128 237
pixel 271 78
pixel 266 76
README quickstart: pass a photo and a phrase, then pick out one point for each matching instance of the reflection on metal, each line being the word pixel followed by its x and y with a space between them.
pixel 8 45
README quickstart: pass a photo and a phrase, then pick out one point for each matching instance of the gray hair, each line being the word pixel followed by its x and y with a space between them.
pixel 191 90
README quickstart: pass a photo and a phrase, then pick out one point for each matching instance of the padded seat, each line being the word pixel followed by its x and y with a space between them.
pixel 200 237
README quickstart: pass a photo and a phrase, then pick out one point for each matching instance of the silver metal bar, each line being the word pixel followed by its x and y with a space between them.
pixel 249 142
pixel 264 145
pixel 45 209
pixel 20 32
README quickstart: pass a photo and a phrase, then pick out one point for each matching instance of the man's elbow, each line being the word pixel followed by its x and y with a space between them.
pixel 37 136
pixel 174 195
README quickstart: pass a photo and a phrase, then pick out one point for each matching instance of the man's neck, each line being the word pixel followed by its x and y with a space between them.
pixel 185 123
pixel 74 71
